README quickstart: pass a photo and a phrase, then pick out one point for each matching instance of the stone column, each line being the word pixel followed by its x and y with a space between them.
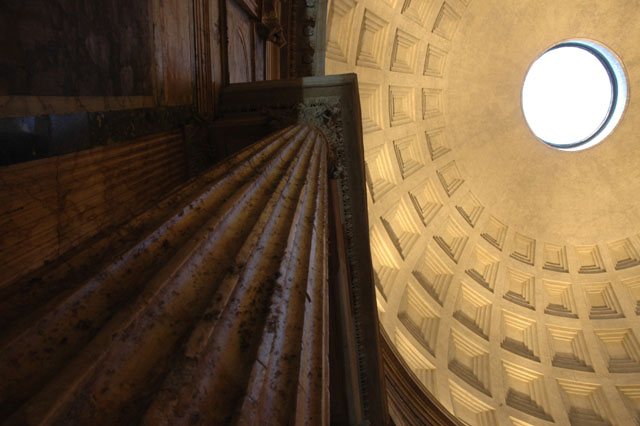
pixel 213 311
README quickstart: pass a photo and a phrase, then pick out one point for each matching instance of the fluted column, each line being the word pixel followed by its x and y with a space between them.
pixel 214 315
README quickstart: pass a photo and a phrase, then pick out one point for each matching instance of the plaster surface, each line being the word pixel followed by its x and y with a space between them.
pixel 507 272
pixel 570 196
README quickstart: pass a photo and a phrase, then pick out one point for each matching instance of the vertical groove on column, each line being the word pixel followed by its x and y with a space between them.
pixel 311 380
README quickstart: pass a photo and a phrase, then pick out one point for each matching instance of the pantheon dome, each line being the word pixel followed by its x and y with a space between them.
pixel 182 211
pixel 507 271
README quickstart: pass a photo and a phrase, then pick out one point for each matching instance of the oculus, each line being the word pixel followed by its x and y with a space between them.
pixel 574 95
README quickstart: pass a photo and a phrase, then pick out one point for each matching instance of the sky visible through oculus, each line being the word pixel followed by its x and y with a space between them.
pixel 566 95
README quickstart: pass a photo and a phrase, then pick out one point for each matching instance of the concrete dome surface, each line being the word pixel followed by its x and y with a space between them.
pixel 508 272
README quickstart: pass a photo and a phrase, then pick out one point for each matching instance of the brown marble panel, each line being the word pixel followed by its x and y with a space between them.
pixel 173 32
pixel 75 48
pixel 31 138
pixel 51 205
pixel 240 35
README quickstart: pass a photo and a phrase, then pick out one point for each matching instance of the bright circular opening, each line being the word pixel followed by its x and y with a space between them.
pixel 574 94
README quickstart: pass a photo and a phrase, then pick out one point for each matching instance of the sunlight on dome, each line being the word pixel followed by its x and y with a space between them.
pixel 567 96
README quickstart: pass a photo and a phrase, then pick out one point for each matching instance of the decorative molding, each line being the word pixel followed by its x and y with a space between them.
pixel 339 29
pixel 409 155
pixel 585 403
pixel 524 249
pixel 470 209
pixel 621 348
pixel 401 105
pixel 435 61
pixel 450 177
pixel 437 143
pixel 404 52
pixel 370 102
pixel 469 408
pixel 379 172
pixel 452 239
pixel 420 319
pixel 385 266
pixel 469 361
pixel 432 103
pixel 624 254
pixel 569 348
pixel 426 201
pixel 519 335
pixel 446 22
pixel 554 258
pixel 417 10
pixel 473 311
pixel 526 391
pixel 602 301
pixel 559 299
pixel 632 285
pixel 483 268
pixel 520 288
pixel 590 260
pixel 403 230
pixel 631 396
pixel 433 275
pixel 304 27
pixel 372 41
pixel 495 232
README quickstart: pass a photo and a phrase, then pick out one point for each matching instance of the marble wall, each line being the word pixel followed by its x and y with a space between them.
pixel 75 48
